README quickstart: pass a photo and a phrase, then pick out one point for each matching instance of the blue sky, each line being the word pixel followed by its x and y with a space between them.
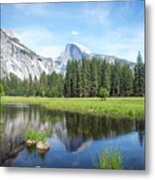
pixel 115 28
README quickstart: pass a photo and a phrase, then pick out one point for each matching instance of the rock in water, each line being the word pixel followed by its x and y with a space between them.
pixel 30 142
pixel 42 147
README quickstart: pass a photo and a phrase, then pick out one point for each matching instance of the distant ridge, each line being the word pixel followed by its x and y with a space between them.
pixel 21 61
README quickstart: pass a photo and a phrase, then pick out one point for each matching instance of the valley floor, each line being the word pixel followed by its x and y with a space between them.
pixel 124 108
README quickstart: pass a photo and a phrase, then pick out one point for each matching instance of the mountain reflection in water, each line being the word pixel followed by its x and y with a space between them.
pixel 70 132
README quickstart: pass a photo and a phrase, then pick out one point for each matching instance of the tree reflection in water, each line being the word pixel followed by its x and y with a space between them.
pixel 75 131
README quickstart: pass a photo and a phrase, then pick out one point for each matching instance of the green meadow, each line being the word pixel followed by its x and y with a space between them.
pixel 119 107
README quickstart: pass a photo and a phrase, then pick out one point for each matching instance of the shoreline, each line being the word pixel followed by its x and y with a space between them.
pixel 113 107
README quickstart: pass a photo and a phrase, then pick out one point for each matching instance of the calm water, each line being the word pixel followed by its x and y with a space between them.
pixel 76 140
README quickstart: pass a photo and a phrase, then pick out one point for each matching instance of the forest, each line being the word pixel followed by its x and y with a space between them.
pixel 83 78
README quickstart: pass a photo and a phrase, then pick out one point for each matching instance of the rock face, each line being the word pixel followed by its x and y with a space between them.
pixel 71 52
pixel 21 61
pixel 77 51
pixel 74 51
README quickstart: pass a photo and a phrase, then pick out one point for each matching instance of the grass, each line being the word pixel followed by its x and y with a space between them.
pixel 125 108
pixel 110 159
pixel 34 136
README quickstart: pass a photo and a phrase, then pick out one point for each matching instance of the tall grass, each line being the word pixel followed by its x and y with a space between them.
pixel 110 159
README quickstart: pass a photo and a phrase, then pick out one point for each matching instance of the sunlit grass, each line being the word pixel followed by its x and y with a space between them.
pixel 126 108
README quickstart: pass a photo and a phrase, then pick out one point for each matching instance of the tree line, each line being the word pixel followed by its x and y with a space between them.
pixel 86 78
pixel 83 78
pixel 47 85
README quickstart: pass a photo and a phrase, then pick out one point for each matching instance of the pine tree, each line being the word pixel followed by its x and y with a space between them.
pixel 36 87
pixel 94 78
pixel 139 77
pixel 143 75
pixel 74 79
pixel 79 80
pixel 60 86
pixel 99 74
pixel 25 85
pixel 43 84
pixel 115 78
pixel 67 86
pixel 5 84
pixel 85 78
pixel 30 87
pixel 126 81
pixel 1 90
pixel 105 75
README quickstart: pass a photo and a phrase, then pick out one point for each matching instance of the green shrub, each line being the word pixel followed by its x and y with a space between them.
pixel 104 93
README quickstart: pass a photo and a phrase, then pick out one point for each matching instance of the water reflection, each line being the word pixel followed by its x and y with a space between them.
pixel 76 132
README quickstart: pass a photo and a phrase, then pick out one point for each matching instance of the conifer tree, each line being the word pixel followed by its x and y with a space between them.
pixel 85 78
pixel 74 92
pixel 126 81
pixel 94 78
pixel 99 74
pixel 139 77
pixel 105 75
pixel 67 87
pixel 115 78
pixel 1 90
pixel 79 80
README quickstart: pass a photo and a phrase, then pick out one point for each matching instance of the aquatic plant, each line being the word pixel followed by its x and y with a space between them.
pixel 110 159
pixel 35 136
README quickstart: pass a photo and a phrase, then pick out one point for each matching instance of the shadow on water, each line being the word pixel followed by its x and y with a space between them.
pixel 74 138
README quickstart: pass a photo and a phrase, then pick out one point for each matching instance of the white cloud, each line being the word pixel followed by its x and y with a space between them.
pixel 39 40
pixel 75 33
pixel 98 14
pixel 117 43
pixel 32 35
pixel 49 51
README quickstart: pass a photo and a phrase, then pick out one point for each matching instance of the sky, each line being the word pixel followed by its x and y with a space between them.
pixel 112 28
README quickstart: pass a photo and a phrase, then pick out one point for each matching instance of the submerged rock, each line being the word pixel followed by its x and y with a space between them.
pixel 42 147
